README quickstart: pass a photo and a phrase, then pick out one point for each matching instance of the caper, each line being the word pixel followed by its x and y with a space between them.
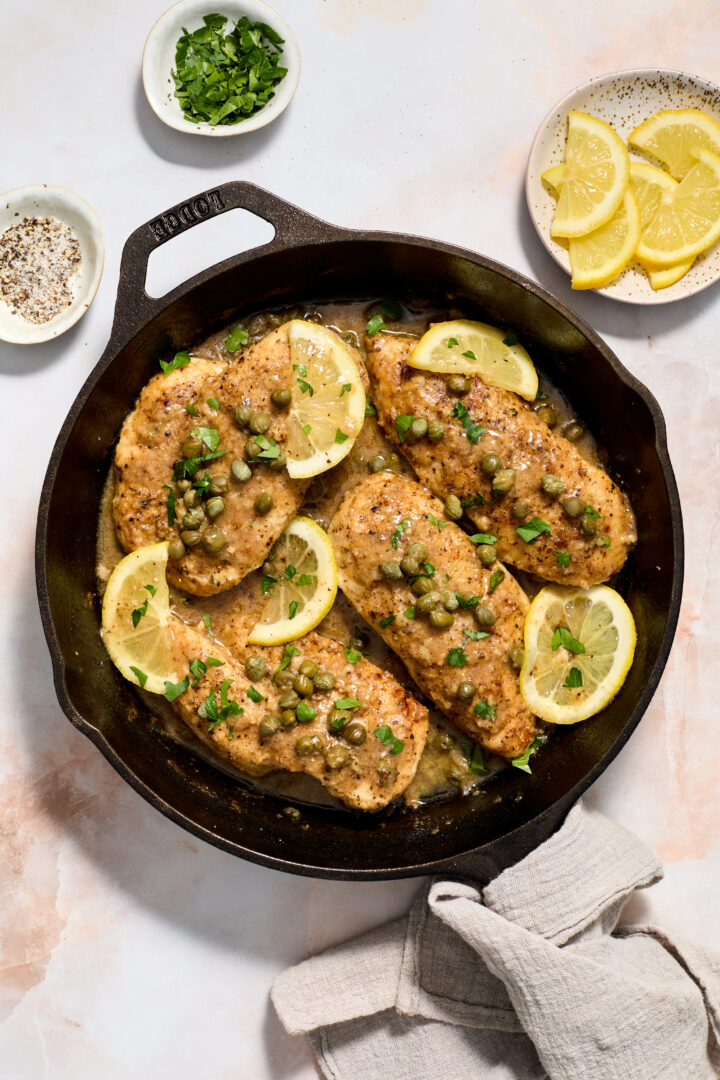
pixel 303 686
pixel 503 481
pixel 269 726
pixel 324 680
pixel 260 422
pixel 183 486
pixel 288 719
pixel 573 506
pixel 176 549
pixel 409 566
pixel 337 755
pixel 552 485
pixel 458 384
pixel 309 668
pixel 252 449
pixel 263 504
pixel 242 415
pixel 449 600
pixel 490 464
pixel 214 507
pixel 218 485
pixel 355 733
pixel 443 742
pixel 421 585
pixel 516 657
pixel 418 552
pixel 440 620
pixel 387 773
pixel 418 428
pixel 360 639
pixel 486 554
pixel 588 526
pixel 289 699
pixel 520 509
pixel 241 470
pixel 281 398
pixel 314 317
pixel 392 571
pixel 283 678
pixel 547 414
pixel 191 447
pixel 453 508
pixel 279 462
pixel 456 773
pixel 193 518
pixel 377 464
pixel 337 720
pixel 350 338
pixel 213 540
pixel 465 691
pixel 484 616
pixel 190 537
pixel 393 461
pixel 255 668
pixel 425 604
pixel 573 431
pixel 435 431
pixel 309 744
pixel 191 498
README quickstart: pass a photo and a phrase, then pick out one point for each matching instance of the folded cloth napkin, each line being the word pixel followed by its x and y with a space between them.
pixel 528 979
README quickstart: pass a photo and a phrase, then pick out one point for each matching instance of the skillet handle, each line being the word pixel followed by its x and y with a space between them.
pixel 292 227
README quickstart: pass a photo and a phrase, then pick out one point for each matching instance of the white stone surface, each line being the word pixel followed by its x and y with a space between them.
pixel 129 949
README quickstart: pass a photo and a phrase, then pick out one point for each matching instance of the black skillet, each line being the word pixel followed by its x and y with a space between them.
pixel 309 259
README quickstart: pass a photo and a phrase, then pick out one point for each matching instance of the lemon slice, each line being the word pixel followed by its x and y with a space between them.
pixel 141 649
pixel 579 645
pixel 302 587
pixel 649 185
pixel 596 176
pixel 474 348
pixel 328 401
pixel 600 256
pixel 687 220
pixel 671 136
pixel 554 177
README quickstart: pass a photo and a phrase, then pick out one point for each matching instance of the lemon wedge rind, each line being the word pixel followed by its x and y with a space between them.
pixel 596 176
pixel 474 348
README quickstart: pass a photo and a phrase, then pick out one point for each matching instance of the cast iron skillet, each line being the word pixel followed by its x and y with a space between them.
pixel 311 260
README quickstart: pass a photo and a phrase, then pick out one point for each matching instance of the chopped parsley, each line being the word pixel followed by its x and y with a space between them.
pixel 305 387
pixel 236 339
pixel 472 430
pixel 254 694
pixel 391 309
pixel 352 655
pixel 523 762
pixel 472 752
pixel 214 403
pixel 510 338
pixel 563 558
pixel 398 534
pixel 187 467
pixel 574 678
pixel 267 583
pixel 385 735
pixel 484 538
pixel 348 703
pixel 269 449
pixel 174 690
pixel 375 325
pixel 471 603
pixel 496 578
pixel 170 504
pixel 476 635
pixel 206 620
pixel 290 572
pixel 437 521
pixel 530 532
pixel 473 501
pixel 470 355
pixel 591 513
pixel 305 712
pixel 428 568
pixel 288 654
pixel 452 341
pixel 485 709
pixel 305 579
pixel 216 714
pixel 210 436
pixel 141 676
pixel 384 623
pixel 292 608
pixel 179 360
pixel 370 409
pixel 345 387
pixel 307 428
pixel 141 611
pixel 456 658
pixel 563 637
pixel 603 541
pixel 192 410
pixel 403 423
pixel 410 613
pixel 340 436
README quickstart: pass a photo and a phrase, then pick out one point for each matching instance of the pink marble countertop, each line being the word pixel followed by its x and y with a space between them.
pixel 129 949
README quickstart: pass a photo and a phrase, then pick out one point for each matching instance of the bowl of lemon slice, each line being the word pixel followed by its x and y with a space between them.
pixel 623 185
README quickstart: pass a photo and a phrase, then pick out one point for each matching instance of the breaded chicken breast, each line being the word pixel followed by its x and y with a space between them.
pixel 595 544
pixel 376 524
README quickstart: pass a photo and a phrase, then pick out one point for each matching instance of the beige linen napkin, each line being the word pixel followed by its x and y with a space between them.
pixel 527 979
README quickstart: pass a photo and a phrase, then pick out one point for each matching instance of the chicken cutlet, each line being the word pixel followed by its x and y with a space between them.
pixel 385 521
pixel 582 513
pixel 336 746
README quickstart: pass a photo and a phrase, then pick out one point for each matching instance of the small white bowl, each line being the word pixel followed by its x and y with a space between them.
pixel 623 99
pixel 159 63
pixel 43 200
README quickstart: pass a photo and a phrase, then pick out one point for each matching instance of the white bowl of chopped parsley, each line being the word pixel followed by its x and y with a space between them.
pixel 220 71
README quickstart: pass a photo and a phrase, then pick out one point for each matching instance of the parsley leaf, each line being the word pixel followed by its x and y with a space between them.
pixel 485 710
pixel 216 714
pixel 484 538
pixel 472 752
pixel 456 658
pixel 522 762
pixel 574 678
pixel 292 609
pixel 187 467
pixel 139 612
pixel 384 623
pixel 530 532
pixel 269 449
pixel 410 613
pixel 398 534
pixel 305 387
pixel 348 703
pixel 472 430
pixel 370 409
pixel 471 602
pixel 192 410
pixel 305 579
pixel 210 436
pixel 340 436
pixel 174 690
pixel 206 620
pixel 510 338
pixel 180 360
pixel 170 505
pixel 403 423
pixel 141 676
pixel 236 339
pixel 375 325
pixel 391 309
pixel 475 635
pixel 563 637
pixel 214 403
pixel 307 428
pixel 351 655
pixel 345 387
pixel 563 558
pixel 267 583
pixel 452 341
pixel 496 578
pixel 288 654
pixel 591 513
pixel 437 521
pixel 470 355
pixel 473 501
pixel 305 712
pixel 254 694
pixel 290 572
pixel 385 735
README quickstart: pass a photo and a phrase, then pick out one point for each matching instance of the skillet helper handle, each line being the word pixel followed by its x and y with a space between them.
pixel 292 227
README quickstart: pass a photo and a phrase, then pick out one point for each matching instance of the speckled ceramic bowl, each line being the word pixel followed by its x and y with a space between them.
pixel 159 61
pixel 623 99
pixel 43 200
